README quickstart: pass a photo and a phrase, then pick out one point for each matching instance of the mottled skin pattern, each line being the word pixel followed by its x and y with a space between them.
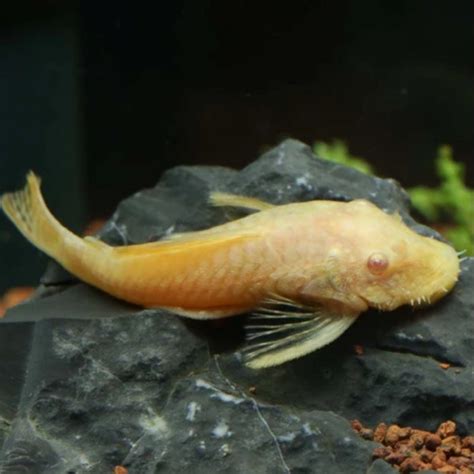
pixel 313 252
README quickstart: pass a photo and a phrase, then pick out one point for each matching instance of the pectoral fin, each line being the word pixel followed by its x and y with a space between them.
pixel 291 332
pixel 219 199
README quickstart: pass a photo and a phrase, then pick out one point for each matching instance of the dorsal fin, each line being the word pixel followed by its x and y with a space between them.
pixel 219 199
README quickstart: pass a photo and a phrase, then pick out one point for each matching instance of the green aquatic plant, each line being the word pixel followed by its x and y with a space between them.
pixel 451 203
pixel 337 152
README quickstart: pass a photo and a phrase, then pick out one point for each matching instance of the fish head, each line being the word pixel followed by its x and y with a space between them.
pixel 392 265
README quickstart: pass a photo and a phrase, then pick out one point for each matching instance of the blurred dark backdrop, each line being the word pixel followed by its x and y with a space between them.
pixel 101 97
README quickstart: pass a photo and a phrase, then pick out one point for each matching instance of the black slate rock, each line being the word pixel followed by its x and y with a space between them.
pixel 92 382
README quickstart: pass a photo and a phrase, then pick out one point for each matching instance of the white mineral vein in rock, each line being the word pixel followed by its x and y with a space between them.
pixel 406 337
pixel 218 394
pixel 193 408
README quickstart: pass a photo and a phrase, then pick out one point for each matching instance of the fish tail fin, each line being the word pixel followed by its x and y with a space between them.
pixel 27 210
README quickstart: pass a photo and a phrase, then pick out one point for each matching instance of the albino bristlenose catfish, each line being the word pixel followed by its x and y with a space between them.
pixel 305 270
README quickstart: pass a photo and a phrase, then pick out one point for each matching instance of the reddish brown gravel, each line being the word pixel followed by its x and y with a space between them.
pixel 411 450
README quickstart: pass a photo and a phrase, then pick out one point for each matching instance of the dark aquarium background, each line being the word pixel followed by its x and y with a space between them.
pixel 99 98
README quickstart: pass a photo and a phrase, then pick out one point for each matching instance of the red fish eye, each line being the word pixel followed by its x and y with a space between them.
pixel 377 263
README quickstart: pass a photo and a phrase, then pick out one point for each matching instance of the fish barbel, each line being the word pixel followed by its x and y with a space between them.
pixel 306 270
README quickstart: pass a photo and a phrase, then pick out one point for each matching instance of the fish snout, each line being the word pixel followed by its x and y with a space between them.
pixel 449 272
pixel 446 264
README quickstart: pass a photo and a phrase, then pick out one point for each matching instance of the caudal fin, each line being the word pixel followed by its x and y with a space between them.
pixel 27 210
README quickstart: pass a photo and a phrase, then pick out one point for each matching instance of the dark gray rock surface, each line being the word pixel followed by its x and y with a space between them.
pixel 379 466
pixel 89 382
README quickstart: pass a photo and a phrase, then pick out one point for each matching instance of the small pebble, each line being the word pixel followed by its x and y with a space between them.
pixel 446 429
pixel 120 470
pixel 459 461
pixel 432 441
pixel 356 425
pixel 447 469
pixel 367 433
pixel 379 433
pixel 413 464
pixel 358 349
pixel 468 442
pixel 438 461
pixel 392 435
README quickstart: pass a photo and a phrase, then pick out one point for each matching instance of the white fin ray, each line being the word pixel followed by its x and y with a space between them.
pixel 292 334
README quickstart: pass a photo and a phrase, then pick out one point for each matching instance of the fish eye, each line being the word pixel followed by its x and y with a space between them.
pixel 377 263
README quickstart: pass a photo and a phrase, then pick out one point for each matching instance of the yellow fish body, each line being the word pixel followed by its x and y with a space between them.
pixel 308 269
